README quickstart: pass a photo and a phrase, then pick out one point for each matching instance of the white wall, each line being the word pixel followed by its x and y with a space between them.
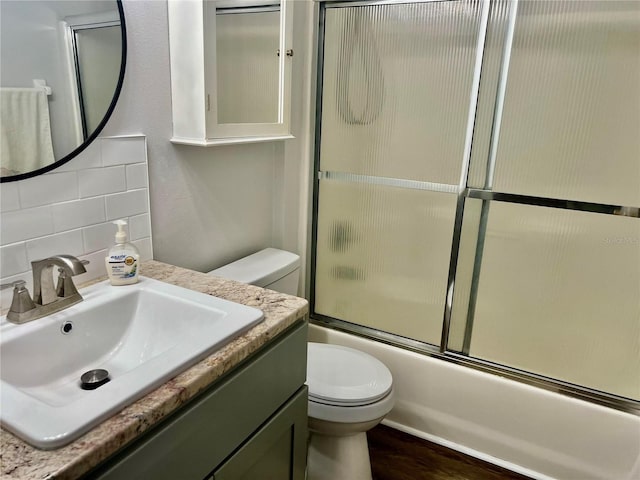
pixel 210 205
pixel 297 168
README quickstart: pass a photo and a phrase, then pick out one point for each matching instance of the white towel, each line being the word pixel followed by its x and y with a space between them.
pixel 25 130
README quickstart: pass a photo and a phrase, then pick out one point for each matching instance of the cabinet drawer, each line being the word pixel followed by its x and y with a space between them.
pixel 191 443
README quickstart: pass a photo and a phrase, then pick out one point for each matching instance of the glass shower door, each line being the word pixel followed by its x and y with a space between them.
pixel 388 174
pixel 551 231
pixel 478 186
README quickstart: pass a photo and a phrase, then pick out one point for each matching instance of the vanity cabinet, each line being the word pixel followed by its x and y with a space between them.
pixel 230 70
pixel 252 424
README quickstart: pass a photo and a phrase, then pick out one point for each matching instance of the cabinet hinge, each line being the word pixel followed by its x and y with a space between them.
pixel 208 103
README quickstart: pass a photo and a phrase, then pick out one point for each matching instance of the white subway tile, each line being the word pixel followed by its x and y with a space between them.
pixel 61 213
pixel 90 157
pixel 6 295
pixel 145 248
pixel 95 268
pixel 47 189
pixel 67 243
pixel 137 176
pixel 13 259
pixel 78 213
pixel 139 226
pixel 119 151
pixel 121 205
pixel 98 237
pixel 9 199
pixel 100 181
pixel 25 224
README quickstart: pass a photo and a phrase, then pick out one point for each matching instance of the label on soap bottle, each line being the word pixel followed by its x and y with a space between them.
pixel 122 266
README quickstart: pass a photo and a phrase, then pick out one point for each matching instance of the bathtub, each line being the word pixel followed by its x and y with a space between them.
pixel 535 432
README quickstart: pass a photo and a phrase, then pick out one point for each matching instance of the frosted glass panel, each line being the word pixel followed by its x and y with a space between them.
pixel 247 66
pixel 559 295
pixel 571 120
pixel 383 257
pixel 396 86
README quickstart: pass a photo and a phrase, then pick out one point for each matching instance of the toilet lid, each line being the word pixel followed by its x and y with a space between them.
pixel 340 375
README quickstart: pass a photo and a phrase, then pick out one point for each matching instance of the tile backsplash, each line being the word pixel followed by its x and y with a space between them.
pixel 70 210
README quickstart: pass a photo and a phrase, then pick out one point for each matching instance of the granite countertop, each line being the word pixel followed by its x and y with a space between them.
pixel 19 460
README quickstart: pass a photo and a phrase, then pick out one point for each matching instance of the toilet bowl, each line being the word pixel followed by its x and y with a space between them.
pixel 350 391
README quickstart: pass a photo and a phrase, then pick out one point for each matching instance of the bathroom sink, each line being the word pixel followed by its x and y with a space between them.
pixel 142 335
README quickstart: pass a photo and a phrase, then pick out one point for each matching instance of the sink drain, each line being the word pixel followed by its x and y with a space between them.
pixel 93 379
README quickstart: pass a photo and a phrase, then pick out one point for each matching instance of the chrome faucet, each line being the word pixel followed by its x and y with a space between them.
pixel 47 298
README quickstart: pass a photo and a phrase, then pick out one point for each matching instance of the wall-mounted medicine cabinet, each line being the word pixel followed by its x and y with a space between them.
pixel 230 70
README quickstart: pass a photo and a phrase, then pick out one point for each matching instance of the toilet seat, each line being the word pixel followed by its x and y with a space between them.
pixel 358 414
pixel 343 377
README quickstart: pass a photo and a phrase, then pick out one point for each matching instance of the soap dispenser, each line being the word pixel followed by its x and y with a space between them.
pixel 122 261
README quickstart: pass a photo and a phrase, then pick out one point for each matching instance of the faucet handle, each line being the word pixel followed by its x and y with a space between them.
pixel 62 279
pixel 21 301
pixel 65 286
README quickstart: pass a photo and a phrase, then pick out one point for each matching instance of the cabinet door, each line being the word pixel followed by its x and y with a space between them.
pixel 231 63
pixel 247 51
pixel 278 451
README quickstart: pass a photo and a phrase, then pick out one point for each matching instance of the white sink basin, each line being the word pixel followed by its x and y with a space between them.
pixel 142 334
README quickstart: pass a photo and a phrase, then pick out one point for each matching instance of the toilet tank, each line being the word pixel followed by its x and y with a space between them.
pixel 271 268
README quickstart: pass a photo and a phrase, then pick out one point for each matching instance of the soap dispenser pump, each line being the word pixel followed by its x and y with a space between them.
pixel 122 261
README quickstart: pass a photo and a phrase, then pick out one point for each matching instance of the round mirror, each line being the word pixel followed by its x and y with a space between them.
pixel 61 71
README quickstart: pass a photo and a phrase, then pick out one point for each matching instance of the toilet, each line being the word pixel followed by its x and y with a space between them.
pixel 350 391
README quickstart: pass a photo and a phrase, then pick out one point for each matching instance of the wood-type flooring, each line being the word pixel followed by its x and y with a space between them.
pixel 396 455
